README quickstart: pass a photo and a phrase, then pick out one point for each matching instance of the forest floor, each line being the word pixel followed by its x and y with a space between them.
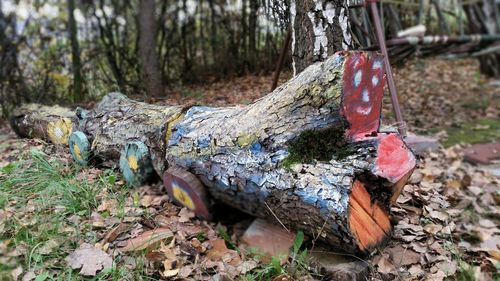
pixel 55 215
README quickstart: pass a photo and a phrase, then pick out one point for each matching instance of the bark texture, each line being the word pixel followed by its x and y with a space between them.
pixel 117 120
pixel 241 154
pixel 150 63
pixel 50 123
pixel 319 29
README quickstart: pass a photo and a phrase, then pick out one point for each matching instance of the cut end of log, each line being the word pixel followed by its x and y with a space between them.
pixel 59 131
pixel 369 223
pixel 395 162
pixel 187 190
pixel 79 146
pixel 394 159
pixel 135 163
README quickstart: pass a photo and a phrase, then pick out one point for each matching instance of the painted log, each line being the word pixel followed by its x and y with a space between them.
pixel 308 155
pixel 135 132
pixel 50 123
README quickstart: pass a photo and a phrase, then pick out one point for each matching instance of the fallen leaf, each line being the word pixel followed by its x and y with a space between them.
pixel 97 220
pixel 438 276
pixel 220 252
pixel 438 215
pixel 448 267
pixel 433 228
pixel 185 271
pixel 146 200
pixel 29 276
pixel 48 247
pixel 115 232
pixel 246 266
pixel 401 256
pixel 170 272
pixel 487 223
pixel 185 215
pixel 16 272
pixel 146 239
pixel 89 259
pixel 384 265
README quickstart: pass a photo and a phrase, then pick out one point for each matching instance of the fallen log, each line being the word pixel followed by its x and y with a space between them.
pixel 308 155
pixel 131 132
pixel 50 123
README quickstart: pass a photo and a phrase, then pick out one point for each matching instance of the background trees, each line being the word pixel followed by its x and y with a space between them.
pixel 75 50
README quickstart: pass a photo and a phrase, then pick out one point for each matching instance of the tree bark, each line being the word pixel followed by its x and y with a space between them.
pixel 309 155
pixel 150 66
pixel 50 123
pixel 117 120
pixel 319 29
pixel 75 54
pixel 247 157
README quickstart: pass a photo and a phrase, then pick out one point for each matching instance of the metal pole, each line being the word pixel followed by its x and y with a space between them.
pixel 390 79
pixel 279 65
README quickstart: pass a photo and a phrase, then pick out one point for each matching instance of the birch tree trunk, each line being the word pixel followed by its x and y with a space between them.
pixel 319 29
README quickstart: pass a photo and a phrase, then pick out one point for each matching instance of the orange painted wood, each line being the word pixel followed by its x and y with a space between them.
pixel 369 224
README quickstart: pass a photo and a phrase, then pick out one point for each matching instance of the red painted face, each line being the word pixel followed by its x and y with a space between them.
pixel 363 86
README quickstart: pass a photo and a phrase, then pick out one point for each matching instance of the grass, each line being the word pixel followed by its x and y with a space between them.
pixel 41 195
pixel 478 131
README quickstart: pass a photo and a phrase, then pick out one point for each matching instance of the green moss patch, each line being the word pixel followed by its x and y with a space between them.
pixel 319 145
pixel 479 131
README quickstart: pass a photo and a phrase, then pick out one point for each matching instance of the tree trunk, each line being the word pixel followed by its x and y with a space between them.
pixel 150 64
pixel 319 29
pixel 308 155
pixel 75 54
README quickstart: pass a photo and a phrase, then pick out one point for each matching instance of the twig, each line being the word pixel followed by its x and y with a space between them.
pixel 276 217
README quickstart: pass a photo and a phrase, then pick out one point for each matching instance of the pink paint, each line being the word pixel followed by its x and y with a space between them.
pixel 363 87
pixel 394 159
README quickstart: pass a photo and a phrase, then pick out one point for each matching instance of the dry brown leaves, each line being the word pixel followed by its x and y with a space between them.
pixel 436 93
pixel 89 259
pixel 447 223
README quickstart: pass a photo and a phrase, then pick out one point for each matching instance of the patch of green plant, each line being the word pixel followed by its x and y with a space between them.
pixel 224 235
pixel 319 145
pixel 479 131
pixel 202 236
pixel 42 193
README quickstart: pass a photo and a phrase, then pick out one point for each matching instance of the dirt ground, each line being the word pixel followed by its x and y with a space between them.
pixel 446 220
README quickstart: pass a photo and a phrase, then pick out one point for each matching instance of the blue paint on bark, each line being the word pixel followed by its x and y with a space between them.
pixel 198 109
